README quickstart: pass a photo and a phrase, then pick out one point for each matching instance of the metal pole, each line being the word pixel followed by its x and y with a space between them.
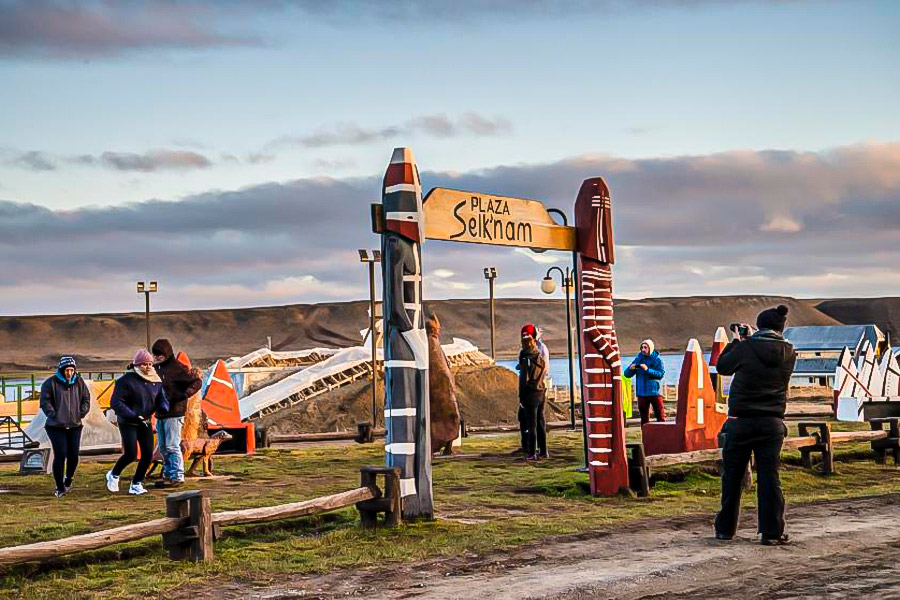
pixel 147 298
pixel 568 283
pixel 372 342
pixel 493 339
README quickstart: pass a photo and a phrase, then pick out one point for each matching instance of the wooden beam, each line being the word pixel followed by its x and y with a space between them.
pixel 295 509
pixel 89 541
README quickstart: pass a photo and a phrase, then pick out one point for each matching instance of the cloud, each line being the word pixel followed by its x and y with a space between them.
pixel 69 29
pixel 33 161
pixel 797 223
pixel 435 126
pixel 152 160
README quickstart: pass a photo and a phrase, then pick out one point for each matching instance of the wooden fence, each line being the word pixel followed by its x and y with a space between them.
pixel 190 527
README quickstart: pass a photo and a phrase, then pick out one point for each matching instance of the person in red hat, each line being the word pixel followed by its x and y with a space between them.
pixel 532 369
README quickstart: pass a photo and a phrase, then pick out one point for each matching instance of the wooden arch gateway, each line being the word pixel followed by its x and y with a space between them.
pixel 405 220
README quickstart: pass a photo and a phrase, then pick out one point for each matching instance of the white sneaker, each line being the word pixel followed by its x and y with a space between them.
pixel 136 489
pixel 112 482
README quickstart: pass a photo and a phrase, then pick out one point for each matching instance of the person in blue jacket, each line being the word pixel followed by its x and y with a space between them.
pixel 137 396
pixel 647 370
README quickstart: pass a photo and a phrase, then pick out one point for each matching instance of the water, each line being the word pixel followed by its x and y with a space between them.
pixel 559 368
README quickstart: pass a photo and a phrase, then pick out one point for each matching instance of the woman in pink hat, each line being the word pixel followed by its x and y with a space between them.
pixel 137 396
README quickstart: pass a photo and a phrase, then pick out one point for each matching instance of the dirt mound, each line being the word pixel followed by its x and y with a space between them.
pixel 884 312
pixel 486 395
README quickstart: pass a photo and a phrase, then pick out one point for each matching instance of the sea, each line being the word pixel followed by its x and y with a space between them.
pixel 559 368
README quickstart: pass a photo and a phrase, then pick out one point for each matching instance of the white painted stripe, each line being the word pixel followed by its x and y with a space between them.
pixel 222 381
pixel 618 363
pixel 599 419
pixel 399 412
pixel 600 450
pixel 400 187
pixel 412 278
pixel 597 463
pixel 404 448
pixel 592 356
pixel 400 364
pixel 600 402
pixel 411 306
pixel 599 436
pixel 598 385
pixel 596 370
pixel 408 487
pixel 401 215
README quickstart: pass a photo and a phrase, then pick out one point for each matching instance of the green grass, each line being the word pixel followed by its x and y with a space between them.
pixel 484 503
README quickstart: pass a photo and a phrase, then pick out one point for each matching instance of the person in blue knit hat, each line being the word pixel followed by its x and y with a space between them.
pixel 65 400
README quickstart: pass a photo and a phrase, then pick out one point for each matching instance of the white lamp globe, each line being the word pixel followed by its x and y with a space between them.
pixel 548 286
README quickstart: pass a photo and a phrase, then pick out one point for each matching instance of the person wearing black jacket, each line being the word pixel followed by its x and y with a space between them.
pixel 65 400
pixel 532 370
pixel 137 396
pixel 179 384
pixel 762 365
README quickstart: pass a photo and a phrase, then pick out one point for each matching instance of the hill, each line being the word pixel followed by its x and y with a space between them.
pixel 109 340
pixel 884 312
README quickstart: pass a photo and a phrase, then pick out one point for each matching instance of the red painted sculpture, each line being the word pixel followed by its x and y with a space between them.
pixel 601 366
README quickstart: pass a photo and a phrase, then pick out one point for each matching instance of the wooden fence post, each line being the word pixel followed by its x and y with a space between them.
pixel 824 445
pixel 193 541
pixel 389 502
pixel 638 471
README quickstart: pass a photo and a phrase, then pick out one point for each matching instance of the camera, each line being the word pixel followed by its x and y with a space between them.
pixel 740 329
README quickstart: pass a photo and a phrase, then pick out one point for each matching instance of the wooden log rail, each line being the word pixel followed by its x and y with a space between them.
pixel 190 527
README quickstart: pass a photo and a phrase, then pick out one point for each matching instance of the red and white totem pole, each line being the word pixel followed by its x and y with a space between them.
pixel 406 403
pixel 601 366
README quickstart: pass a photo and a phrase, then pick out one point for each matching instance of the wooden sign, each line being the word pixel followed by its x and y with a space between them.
pixel 460 216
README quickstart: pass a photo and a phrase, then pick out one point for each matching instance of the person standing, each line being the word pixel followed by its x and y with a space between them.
pixel 65 400
pixel 532 370
pixel 179 384
pixel 762 364
pixel 542 452
pixel 137 396
pixel 648 370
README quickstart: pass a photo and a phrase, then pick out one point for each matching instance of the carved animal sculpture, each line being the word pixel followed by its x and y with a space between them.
pixel 441 391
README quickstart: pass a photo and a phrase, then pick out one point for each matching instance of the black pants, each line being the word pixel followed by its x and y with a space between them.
pixel 66 444
pixel 540 430
pixel 763 437
pixel 134 435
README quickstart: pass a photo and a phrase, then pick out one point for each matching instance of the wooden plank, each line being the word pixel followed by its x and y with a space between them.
pixel 295 509
pixel 461 216
pixel 89 541
pixel 849 437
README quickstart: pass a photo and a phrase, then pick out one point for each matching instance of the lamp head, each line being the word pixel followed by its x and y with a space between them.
pixel 140 287
pixel 152 286
pixel 548 285
pixel 490 272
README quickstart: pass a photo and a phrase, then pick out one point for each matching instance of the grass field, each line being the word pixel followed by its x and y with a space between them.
pixel 485 500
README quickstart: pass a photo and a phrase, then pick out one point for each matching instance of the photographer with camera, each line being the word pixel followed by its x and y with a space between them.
pixel 762 364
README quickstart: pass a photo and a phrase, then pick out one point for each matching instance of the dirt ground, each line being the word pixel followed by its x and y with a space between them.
pixel 842 549
pixel 486 396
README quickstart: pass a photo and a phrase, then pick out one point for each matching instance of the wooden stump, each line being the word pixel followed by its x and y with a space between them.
pixel 638 471
pixel 388 502
pixel 194 541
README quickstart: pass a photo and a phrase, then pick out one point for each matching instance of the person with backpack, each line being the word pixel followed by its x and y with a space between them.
pixel 138 395
pixel 65 400
pixel 532 369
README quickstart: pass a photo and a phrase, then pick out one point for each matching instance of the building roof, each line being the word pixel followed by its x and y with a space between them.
pixel 815 366
pixel 832 337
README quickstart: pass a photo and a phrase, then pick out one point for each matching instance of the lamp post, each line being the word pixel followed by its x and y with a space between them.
pixel 147 288
pixel 371 257
pixel 490 273
pixel 548 286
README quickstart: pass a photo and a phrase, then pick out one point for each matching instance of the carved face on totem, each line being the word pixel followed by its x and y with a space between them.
pixel 593 219
pixel 402 196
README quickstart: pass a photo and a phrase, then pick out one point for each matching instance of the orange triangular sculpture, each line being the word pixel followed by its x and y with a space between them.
pixel 220 402
pixel 182 357
pixel 697 420
pixel 719 342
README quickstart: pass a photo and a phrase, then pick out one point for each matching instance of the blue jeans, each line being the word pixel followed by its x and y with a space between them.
pixel 168 433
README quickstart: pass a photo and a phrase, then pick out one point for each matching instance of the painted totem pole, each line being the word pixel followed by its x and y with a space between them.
pixel 601 366
pixel 406 405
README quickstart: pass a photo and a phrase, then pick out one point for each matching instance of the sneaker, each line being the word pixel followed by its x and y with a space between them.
pixel 67 483
pixel 724 536
pixel 112 482
pixel 136 489
pixel 61 493
pixel 544 455
pixel 779 541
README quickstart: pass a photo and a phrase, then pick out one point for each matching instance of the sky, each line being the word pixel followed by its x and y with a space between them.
pixel 230 150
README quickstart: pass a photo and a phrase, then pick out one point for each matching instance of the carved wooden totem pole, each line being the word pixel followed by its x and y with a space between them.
pixel 406 408
pixel 601 367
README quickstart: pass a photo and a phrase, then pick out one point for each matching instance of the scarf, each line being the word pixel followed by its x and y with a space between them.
pixel 153 377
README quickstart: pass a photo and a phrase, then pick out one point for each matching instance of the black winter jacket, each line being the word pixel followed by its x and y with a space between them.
pixel 64 403
pixel 179 384
pixel 762 366
pixel 532 371
pixel 136 397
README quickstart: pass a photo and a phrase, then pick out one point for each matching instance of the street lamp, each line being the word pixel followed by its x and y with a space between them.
pixel 147 288
pixel 490 273
pixel 371 257
pixel 548 286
